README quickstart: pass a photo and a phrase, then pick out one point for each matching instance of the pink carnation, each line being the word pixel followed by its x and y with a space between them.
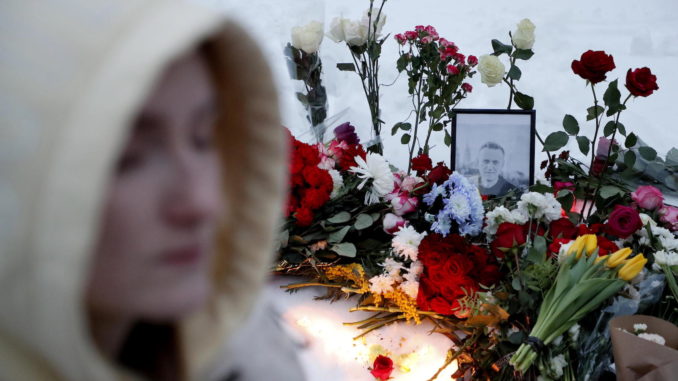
pixel 392 223
pixel 403 204
pixel 669 215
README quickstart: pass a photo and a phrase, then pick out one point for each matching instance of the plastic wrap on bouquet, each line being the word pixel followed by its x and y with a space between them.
pixel 640 359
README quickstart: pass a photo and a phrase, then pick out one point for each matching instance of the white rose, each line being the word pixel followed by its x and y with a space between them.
pixel 523 36
pixel 366 20
pixel 353 32
pixel 336 32
pixel 491 70
pixel 308 37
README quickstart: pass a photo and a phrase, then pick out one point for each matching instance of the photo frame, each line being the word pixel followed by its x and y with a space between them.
pixel 494 149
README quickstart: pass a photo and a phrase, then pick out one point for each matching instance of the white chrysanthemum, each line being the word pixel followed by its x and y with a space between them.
pixel 416 268
pixel 381 283
pixel 392 267
pixel 406 242
pixel 411 288
pixel 337 182
pixel 669 258
pixel 458 205
pixel 496 217
pixel 374 168
pixel 653 337
pixel 640 327
pixel 557 365
pixel 537 205
pixel 519 216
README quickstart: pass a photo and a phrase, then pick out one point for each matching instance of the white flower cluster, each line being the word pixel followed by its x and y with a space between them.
pixel 501 214
pixel 406 242
pixel 408 283
pixel 355 32
pixel 381 283
pixel 659 339
pixel 557 364
pixel 668 258
pixel 376 169
pixel 337 182
pixel 308 37
pixel 537 205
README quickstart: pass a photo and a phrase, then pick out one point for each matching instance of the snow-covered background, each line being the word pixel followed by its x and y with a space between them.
pixel 636 33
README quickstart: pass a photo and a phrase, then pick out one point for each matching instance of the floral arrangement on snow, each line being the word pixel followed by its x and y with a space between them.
pixel 524 286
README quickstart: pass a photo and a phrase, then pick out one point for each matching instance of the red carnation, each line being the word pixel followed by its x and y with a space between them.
pixel 562 228
pixel 593 65
pixel 623 221
pixel 641 82
pixel 422 163
pixel 439 174
pixel 605 246
pixel 554 247
pixel 382 368
pixel 304 216
pixel 347 159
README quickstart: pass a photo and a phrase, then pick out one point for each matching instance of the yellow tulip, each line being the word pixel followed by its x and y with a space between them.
pixel 618 257
pixel 632 267
pixel 590 243
pixel 598 259
pixel 576 247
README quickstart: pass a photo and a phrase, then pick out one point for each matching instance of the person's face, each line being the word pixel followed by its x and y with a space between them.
pixel 491 162
pixel 164 202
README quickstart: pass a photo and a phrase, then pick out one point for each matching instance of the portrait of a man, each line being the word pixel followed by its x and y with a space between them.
pixel 494 149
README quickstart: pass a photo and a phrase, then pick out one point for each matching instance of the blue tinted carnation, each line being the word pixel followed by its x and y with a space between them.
pixel 461 204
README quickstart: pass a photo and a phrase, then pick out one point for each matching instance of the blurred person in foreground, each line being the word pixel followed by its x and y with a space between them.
pixel 142 172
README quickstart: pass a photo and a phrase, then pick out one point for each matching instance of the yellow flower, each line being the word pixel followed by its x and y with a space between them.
pixel 632 267
pixel 598 259
pixel 590 243
pixel 576 246
pixel 618 257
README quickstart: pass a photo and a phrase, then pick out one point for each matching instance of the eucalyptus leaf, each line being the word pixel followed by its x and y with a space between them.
pixel 363 221
pixel 338 236
pixel 339 218
pixel 608 191
pixel 345 249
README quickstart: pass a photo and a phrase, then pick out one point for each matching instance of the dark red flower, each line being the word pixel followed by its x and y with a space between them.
pixel 304 217
pixel 466 87
pixel 641 82
pixel 439 174
pixel 562 228
pixel 554 247
pixel 593 65
pixel 422 163
pixel 623 221
pixel 382 368
pixel 346 132
pixel 347 159
pixel 605 246
pixel 599 166
pixel 508 236
pixel 593 229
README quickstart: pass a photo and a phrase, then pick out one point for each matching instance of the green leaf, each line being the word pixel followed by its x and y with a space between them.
pixel 629 159
pixel 339 218
pixel 613 109
pixel 514 73
pixel 612 95
pixel 555 141
pixel 448 139
pixel 608 191
pixel 631 140
pixel 647 153
pixel 400 126
pixel 405 139
pixel 608 130
pixel 584 144
pixel 438 112
pixel 593 111
pixel 539 243
pixel 402 62
pixel 672 156
pixel 523 54
pixel 566 198
pixel 621 129
pixel 524 101
pixel 500 48
pixel 541 188
pixel 338 236
pixel 345 249
pixel 346 66
pixel 363 221
pixel 437 127
pixel 570 124
pixel 515 283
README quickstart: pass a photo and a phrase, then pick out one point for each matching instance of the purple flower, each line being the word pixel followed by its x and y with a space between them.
pixel 346 132
pixel 604 146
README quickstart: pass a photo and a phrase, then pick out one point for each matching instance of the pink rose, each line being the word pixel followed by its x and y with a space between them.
pixel 404 204
pixel 453 70
pixel 460 58
pixel 560 185
pixel 392 223
pixel 472 60
pixel 669 216
pixel 427 39
pixel 411 35
pixel 400 38
pixel 648 197
pixel 604 146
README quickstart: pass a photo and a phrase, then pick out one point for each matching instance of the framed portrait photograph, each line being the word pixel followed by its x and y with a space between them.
pixel 494 149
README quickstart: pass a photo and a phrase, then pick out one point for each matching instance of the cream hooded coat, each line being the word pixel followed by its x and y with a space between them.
pixel 72 76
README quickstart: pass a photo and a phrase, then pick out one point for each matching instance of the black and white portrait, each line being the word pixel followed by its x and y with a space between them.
pixel 494 149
